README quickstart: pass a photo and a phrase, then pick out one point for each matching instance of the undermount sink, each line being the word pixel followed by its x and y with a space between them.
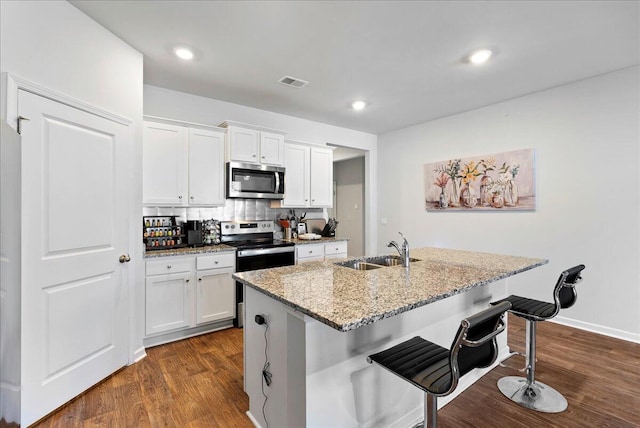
pixel 374 262
pixel 358 265
pixel 388 260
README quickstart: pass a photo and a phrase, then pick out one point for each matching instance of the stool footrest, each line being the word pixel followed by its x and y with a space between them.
pixel 536 396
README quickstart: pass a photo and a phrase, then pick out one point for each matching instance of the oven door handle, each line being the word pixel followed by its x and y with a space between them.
pixel 266 251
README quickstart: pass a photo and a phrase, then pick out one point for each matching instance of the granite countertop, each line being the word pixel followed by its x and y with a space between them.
pixel 345 298
pixel 188 251
pixel 315 241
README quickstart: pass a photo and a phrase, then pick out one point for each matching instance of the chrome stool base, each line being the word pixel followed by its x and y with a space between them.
pixel 535 396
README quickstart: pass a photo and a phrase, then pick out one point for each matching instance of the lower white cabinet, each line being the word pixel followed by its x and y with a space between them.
pixel 185 292
pixel 216 295
pixel 309 253
pixel 321 251
pixel 335 250
pixel 168 297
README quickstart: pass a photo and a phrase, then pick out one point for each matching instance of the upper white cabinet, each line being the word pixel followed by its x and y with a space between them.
pixel 321 173
pixel 309 176
pixel 164 164
pixel 206 167
pixel 297 162
pixel 182 165
pixel 254 144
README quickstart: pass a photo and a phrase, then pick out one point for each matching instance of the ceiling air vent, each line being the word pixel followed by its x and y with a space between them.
pixel 292 81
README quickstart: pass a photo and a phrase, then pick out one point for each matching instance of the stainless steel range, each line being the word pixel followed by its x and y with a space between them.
pixel 256 249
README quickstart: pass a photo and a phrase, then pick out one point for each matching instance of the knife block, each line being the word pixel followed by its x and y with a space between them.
pixel 327 232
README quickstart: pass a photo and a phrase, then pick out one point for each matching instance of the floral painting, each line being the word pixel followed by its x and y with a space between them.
pixel 497 182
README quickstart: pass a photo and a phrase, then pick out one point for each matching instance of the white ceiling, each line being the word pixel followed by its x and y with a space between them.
pixel 404 58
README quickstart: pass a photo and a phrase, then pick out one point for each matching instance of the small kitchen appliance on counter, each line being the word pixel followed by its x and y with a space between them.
pixel 195 233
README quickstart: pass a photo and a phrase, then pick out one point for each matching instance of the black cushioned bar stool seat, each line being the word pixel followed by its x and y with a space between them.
pixel 527 391
pixel 435 369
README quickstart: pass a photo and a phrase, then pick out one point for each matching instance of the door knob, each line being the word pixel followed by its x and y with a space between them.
pixel 124 259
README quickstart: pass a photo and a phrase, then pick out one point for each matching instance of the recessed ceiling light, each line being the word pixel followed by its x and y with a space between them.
pixel 480 57
pixel 358 105
pixel 183 53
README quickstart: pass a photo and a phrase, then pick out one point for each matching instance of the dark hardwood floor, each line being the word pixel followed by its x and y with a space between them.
pixel 198 383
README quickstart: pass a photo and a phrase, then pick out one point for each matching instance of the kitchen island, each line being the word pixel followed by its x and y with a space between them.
pixel 323 319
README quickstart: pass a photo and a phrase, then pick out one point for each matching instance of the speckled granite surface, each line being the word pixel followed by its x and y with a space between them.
pixel 314 241
pixel 188 251
pixel 346 299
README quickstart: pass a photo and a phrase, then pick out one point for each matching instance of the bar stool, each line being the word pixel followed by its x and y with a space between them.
pixel 527 391
pixel 435 369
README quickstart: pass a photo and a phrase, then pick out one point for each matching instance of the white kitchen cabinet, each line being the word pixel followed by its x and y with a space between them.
pixel 168 296
pixel 335 250
pixel 309 253
pixel 244 144
pixel 321 181
pixel 216 299
pixel 182 165
pixel 216 296
pixel 164 164
pixel 308 177
pixel 254 144
pixel 206 167
pixel 321 251
pixel 183 294
pixel 297 175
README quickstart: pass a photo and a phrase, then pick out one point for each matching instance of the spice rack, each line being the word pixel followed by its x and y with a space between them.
pixel 162 233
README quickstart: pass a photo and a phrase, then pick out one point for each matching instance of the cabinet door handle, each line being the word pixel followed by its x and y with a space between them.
pixel 179 196
pixel 253 156
pixel 199 279
pixel 192 197
pixel 186 280
pixel 216 262
pixel 168 266
pixel 262 157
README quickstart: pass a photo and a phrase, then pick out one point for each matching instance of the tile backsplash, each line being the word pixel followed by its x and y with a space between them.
pixel 234 209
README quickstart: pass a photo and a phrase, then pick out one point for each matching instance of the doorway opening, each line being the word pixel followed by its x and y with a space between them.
pixel 349 197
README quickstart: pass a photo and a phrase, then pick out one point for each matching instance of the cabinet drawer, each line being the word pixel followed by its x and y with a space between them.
pixel 223 260
pixel 163 266
pixel 310 250
pixel 335 248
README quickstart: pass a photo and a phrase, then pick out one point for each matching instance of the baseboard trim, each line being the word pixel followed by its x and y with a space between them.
pixel 253 420
pixel 595 328
pixel 172 336
pixel 139 354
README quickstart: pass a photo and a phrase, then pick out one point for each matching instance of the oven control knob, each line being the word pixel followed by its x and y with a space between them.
pixel 233 226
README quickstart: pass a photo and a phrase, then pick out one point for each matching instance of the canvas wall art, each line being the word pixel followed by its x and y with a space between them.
pixel 497 182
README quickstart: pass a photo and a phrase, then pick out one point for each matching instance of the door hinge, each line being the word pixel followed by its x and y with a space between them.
pixel 20 119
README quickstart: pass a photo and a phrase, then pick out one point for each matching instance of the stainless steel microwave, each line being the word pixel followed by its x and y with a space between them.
pixel 245 180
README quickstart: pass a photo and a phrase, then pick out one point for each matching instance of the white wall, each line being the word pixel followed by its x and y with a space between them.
pixel 170 104
pixel 53 44
pixel 586 140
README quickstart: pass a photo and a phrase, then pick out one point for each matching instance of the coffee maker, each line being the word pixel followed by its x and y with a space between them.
pixel 195 233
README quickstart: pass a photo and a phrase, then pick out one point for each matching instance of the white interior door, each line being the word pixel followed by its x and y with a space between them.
pixel 74 298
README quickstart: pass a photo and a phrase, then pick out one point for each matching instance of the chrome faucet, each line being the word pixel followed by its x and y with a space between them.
pixel 404 252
